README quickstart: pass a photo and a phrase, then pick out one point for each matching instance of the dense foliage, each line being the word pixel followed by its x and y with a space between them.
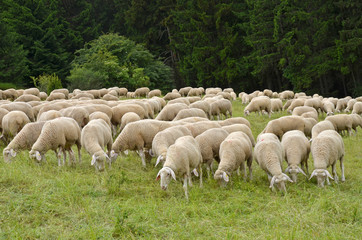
pixel 312 46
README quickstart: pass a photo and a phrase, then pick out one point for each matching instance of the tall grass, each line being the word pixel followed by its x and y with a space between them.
pixel 44 201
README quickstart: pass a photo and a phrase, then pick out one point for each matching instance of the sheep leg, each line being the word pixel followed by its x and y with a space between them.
pixel 328 181
pixel 243 169
pixel 71 157
pixel 190 181
pixel 250 162
pixel 64 156
pixel 142 155
pixel 185 187
pixel 200 169
pixel 342 170
pixel 208 171
pixel 58 154
pixel 334 170
pixel 79 153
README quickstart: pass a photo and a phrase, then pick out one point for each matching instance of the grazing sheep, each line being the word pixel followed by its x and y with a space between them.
pixel 209 143
pixel 120 110
pixel 154 92
pixel 203 105
pixel 287 104
pixel 61 90
pixel 234 120
pixel 184 91
pixel 320 127
pixel 283 124
pixel 24 140
pixel 357 108
pixel 234 151
pixel 296 103
pixel 308 125
pixel 199 127
pixel 3 112
pixel 171 96
pixel 141 92
pixel 49 115
pixel 137 136
pixel 32 91
pixel 356 121
pixel 10 94
pixel 276 105
pixel 225 95
pixel 12 123
pixel 287 94
pixel 245 99
pixel 341 122
pixel 94 137
pixel 241 128
pixel 219 107
pixel 84 95
pixel 169 112
pixel 161 101
pixel 128 118
pixel 122 91
pixel 57 133
pixel 79 114
pixel 20 106
pixel 258 104
pixel 100 115
pixel 110 97
pixel 166 138
pixel 350 105
pixel 316 103
pixel 305 111
pixel 181 158
pixel 27 98
pixel 342 104
pixel 296 151
pixel 194 92
pixel 269 154
pixel 55 96
pixel 190 112
pixel 43 96
pixel 179 100
pixel 326 149
pixel 268 93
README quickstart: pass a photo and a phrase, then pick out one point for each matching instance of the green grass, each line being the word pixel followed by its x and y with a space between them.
pixel 44 201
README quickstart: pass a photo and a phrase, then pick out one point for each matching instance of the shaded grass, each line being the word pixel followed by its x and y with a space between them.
pixel 43 201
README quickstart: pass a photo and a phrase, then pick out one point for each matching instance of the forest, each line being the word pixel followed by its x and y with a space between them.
pixel 313 46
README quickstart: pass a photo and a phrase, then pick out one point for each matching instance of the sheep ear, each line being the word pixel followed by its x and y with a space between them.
pixel 225 177
pixel 38 156
pixel 328 174
pixel 195 172
pixel 159 160
pixel 302 172
pixel 108 159
pixel 173 174
pixel 272 181
pixel 94 159
pixel 286 177
pixel 126 152
pixel 158 175
pixel 313 174
pixel 151 153
pixel 12 153
pixel 113 154
pixel 287 170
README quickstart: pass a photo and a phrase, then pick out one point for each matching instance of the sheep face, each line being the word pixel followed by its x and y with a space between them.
pixel 280 180
pixel 99 159
pixel 222 178
pixel 165 174
pixel 247 113
pixel 293 171
pixel 36 155
pixel 322 175
pixel 8 154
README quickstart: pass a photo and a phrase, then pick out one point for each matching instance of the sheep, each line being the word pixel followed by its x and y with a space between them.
pixel 184 91
pixel 169 112
pixel 203 105
pixel 305 111
pixel 170 96
pixel 190 112
pixel 61 90
pixel 356 121
pixel 326 149
pixel 20 106
pixel 199 127
pixel 49 115
pixel 27 98
pixel 12 123
pixel 357 108
pixel 79 114
pixel 245 99
pixel 120 110
pixel 130 95
pixel 234 120
pixel 359 99
pixel 137 136
pixel 287 104
pixel 276 105
pixel 269 155
pixel 94 137
pixel 165 139
pixel 209 143
pixel 315 103
pixel 190 120
pixel 296 151
pixel 193 99
pixel 55 96
pixel 43 96
pixel 60 133
pixel 91 108
pixel 242 128
pixel 225 95
pixel 58 105
pixel 83 95
pixel 100 115
pixel 10 93
pixel 350 105
pixel 328 107
pixel 96 93
pixel 154 92
pixel 287 94
pixel 234 151
pixel 342 103
pixel 219 107
pixel 258 104
pixel 296 103
pixel 141 92
pixel 161 101
pixel 341 122
pixel 275 95
pixel 268 93
pixel 149 113
pixel 110 97
pixel 213 90
pixel 179 100
pixel 3 112
pixel 181 157
pixel 122 91
pixel 308 125
pixel 194 92
pixel 24 140
pixel 128 118
pixel 320 127
pixel 32 91
pixel 283 124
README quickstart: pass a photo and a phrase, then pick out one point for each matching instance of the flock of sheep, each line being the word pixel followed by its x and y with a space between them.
pixel 194 127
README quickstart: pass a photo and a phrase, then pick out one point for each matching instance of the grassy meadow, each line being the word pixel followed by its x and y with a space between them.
pixel 44 201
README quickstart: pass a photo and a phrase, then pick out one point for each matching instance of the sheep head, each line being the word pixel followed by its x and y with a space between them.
pixel 247 113
pixel 222 177
pixel 8 154
pixel 280 180
pixel 293 170
pixel 99 159
pixel 114 155
pixel 36 155
pixel 165 174
pixel 322 175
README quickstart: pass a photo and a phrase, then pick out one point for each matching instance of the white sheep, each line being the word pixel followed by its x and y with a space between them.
pixel 100 115
pixel 222 106
pixel 234 151
pixel 327 148
pixel 242 128
pixel 350 105
pixel 154 92
pixel 24 140
pixel 166 138
pixel 12 123
pixel 170 96
pixel 269 154
pixel 199 127
pixel 276 105
pixel 341 122
pixel 181 158
pixel 209 143
pixel 296 151
pixel 203 105
pixel 79 114
pixel 190 112
pixel 328 107
pixel 128 118
pixel 184 91
pixel 258 104
pixel 320 127
pixel 95 136
pixel 234 120
pixel 283 124
pixel 49 115
pixel 305 111
pixel 169 112
pixel 357 108
pixel 60 133
pixel 356 121
pixel 342 103
pixel 142 92
pixel 296 103
pixel 287 94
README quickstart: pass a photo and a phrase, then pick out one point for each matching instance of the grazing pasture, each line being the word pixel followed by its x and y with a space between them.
pixel 44 201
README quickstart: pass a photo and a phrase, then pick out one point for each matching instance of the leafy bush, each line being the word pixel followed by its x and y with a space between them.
pixel 4 86
pixel 47 83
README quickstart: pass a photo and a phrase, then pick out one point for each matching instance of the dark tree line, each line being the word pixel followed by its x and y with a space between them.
pixel 312 46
